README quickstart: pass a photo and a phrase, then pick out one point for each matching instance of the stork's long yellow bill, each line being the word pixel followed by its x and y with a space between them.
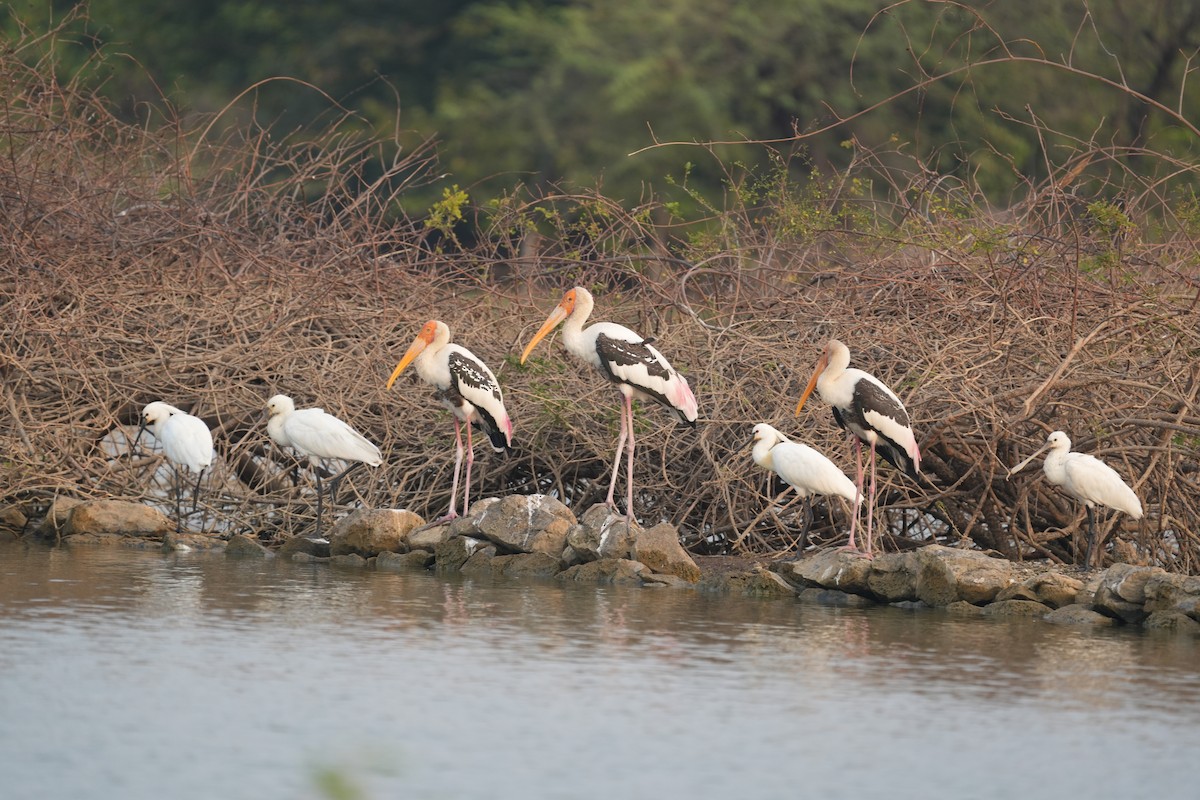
pixel 822 363
pixel 413 351
pixel 556 316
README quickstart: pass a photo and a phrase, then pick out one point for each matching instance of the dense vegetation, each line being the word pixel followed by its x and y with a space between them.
pixel 213 266
pixel 558 92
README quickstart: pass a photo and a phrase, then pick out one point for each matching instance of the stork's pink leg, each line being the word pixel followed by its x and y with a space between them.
pixel 871 502
pixel 629 462
pixel 458 454
pixel 470 461
pixel 858 486
pixel 612 484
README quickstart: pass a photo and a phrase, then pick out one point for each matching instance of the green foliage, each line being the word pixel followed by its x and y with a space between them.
pixel 446 213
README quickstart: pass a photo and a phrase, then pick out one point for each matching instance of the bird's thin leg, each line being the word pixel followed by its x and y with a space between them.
pixel 318 470
pixel 629 464
pixel 612 484
pixel 178 502
pixel 470 461
pixel 871 502
pixel 458 457
pixel 858 482
pixel 808 520
pixel 1089 559
pixel 196 492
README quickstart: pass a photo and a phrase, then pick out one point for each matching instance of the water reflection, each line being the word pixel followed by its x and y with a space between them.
pixel 201 676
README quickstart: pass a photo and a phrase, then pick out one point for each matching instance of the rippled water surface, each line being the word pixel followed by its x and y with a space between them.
pixel 137 675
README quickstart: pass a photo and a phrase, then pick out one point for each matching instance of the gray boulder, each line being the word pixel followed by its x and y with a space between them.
pixel 619 571
pixel 454 552
pixel 1122 591
pixel 242 546
pixel 403 562
pixel 521 523
pixel 830 569
pixel 1168 591
pixel 1076 614
pixel 893 577
pixel 602 533
pixel 946 574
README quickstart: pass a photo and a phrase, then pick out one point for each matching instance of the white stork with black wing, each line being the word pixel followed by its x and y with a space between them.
pixel 870 412
pixel 629 361
pixel 467 388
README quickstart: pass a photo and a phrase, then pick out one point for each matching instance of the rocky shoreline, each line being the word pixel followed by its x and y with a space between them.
pixel 522 536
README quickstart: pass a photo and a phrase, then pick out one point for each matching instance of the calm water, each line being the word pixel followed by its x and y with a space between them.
pixel 137 675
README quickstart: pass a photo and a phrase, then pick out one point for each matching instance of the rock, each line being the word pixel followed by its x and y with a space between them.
pixel 454 552
pixel 1174 621
pixel 659 579
pixel 757 582
pixel 620 571
pixel 1171 592
pixel 527 565
pixel 520 523
pixel 369 532
pixel 1015 608
pixel 946 574
pixel 961 608
pixel 834 597
pixel 479 565
pixel 403 562
pixel 1076 614
pixel 308 558
pixel 116 518
pixel 428 537
pixel 242 546
pixel 893 577
pixel 1122 591
pixel 301 544
pixel 13 519
pixel 1049 588
pixel 56 518
pixel 1087 593
pixel 352 560
pixel 184 542
pixel 830 569
pixel 601 534
pixel 659 549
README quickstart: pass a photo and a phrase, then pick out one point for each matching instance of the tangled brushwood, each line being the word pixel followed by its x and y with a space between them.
pixel 142 265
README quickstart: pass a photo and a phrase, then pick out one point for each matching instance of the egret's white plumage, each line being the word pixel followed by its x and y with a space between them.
pixel 467 388
pixel 185 440
pixel 1085 478
pixel 312 432
pixel 630 362
pixel 803 468
pixel 870 412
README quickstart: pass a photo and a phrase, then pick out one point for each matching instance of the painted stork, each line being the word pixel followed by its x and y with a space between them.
pixel 870 413
pixel 467 388
pixel 804 469
pixel 313 433
pixel 1087 479
pixel 630 362
pixel 186 441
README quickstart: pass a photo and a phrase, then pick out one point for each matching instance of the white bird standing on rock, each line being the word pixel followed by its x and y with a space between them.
pixel 628 361
pixel 185 440
pixel 467 388
pixel 1086 478
pixel 313 433
pixel 804 469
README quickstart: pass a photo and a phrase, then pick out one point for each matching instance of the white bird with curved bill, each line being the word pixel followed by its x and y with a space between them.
pixel 803 468
pixel 312 432
pixel 186 442
pixel 871 413
pixel 628 361
pixel 465 386
pixel 1087 479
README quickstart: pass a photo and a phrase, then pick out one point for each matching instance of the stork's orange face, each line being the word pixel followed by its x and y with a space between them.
pixel 423 340
pixel 560 313
pixel 822 363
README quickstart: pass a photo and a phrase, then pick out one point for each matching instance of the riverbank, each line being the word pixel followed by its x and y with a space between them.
pixel 535 536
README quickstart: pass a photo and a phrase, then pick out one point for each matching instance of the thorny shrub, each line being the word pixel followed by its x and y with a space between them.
pixel 142 265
